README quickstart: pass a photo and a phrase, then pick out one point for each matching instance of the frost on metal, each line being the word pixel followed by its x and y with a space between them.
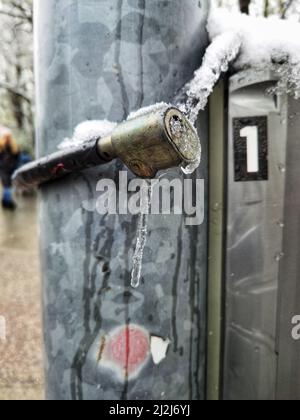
pixel 221 52
pixel 266 42
pixel 86 131
pixel 194 96
pixel 147 109
pixel 243 42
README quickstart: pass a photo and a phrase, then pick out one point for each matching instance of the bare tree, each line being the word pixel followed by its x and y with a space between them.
pixel 244 6
pixel 285 7
pixel 266 8
pixel 16 67
pixel 17 9
pixel 282 8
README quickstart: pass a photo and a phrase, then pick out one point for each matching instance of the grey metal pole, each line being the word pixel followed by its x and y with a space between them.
pixel 101 59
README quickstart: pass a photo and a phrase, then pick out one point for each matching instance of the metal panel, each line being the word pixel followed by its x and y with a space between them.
pixel 254 247
pixel 288 379
pixel 102 59
pixel 217 206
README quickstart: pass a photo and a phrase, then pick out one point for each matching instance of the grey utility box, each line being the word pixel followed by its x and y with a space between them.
pixel 261 357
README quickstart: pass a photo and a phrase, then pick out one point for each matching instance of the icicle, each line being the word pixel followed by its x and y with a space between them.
pixel 142 233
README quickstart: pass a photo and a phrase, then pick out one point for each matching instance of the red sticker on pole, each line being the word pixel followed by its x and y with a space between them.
pixel 125 350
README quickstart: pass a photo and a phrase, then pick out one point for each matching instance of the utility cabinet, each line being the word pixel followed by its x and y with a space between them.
pixel 262 240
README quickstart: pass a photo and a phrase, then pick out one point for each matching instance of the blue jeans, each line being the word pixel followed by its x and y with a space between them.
pixel 7 195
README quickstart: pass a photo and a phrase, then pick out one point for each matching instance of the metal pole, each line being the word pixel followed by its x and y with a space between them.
pixel 102 59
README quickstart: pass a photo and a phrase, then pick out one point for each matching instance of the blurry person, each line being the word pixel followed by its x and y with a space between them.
pixel 25 191
pixel 9 158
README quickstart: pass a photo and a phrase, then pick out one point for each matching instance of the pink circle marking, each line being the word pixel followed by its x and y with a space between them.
pixel 129 348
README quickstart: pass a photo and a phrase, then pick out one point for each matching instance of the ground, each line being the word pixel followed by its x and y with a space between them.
pixel 21 360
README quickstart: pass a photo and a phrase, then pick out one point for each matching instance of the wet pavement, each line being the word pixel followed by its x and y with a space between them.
pixel 21 364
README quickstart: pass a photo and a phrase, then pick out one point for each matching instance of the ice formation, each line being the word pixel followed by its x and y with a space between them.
pixel 263 39
pixel 266 42
pixel 141 240
pixel 244 41
pixel 221 52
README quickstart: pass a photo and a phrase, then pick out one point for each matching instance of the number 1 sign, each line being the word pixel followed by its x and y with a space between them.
pixel 250 149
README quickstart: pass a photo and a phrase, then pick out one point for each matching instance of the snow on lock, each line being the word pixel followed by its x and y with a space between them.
pixel 86 131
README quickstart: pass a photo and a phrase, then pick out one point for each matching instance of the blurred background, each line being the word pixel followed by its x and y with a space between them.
pixel 16 70
pixel 21 367
pixel 21 364
pixel 285 9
